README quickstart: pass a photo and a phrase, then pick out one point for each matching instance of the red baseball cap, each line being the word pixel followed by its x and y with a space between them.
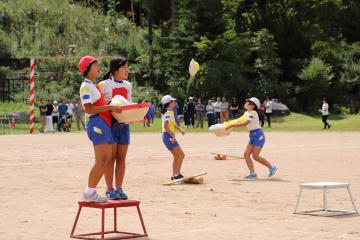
pixel 85 62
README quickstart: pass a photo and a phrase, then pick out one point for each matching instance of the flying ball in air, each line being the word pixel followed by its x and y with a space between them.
pixel 193 67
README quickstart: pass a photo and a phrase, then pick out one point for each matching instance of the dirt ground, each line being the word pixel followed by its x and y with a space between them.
pixel 42 178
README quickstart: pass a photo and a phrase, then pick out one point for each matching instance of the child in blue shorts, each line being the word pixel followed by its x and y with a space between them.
pixel 257 138
pixel 168 137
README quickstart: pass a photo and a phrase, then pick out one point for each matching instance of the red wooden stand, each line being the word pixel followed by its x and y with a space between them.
pixel 109 204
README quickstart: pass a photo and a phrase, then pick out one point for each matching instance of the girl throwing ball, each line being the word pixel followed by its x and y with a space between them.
pixel 257 138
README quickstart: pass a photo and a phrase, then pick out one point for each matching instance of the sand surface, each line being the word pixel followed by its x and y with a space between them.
pixel 42 178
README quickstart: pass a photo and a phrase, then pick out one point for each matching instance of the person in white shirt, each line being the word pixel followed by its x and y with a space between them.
pixel 325 113
pixel 217 106
pixel 224 108
pixel 268 110
pixel 114 83
pixel 257 138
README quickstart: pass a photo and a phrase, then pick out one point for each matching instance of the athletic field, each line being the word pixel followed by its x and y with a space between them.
pixel 42 178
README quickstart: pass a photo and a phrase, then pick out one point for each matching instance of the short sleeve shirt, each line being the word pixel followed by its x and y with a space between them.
pixel 253 117
pixel 89 93
pixel 112 87
pixel 170 118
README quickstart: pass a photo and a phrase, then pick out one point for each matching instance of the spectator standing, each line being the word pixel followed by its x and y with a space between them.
pixel 62 108
pixel 224 110
pixel 191 111
pixel 325 113
pixel 268 110
pixel 79 114
pixel 234 108
pixel 185 113
pixel 217 106
pixel 152 112
pixel 55 116
pixel 210 113
pixel 42 117
pixel 49 122
pixel 200 110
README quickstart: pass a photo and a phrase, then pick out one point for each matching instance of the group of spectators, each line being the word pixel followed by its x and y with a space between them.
pixel 218 110
pixel 56 116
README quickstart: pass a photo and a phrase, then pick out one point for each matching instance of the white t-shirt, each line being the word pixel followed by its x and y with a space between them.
pixel 268 106
pixel 217 106
pixel 123 88
pixel 325 109
pixel 253 117
pixel 70 109
pixel 89 93
pixel 224 106
pixel 55 112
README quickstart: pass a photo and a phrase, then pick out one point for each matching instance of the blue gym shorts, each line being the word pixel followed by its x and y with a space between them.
pixel 120 132
pixel 98 131
pixel 166 137
pixel 257 138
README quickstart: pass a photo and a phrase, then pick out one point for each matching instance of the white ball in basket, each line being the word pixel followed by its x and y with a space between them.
pixel 119 101
pixel 131 112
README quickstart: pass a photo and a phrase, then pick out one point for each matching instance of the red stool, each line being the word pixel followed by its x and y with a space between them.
pixel 109 204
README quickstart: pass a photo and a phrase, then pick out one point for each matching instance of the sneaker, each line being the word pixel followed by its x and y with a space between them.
pixel 272 171
pixel 94 198
pixel 251 176
pixel 112 194
pixel 177 177
pixel 121 194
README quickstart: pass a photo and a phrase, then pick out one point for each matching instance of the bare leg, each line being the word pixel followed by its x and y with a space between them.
pixel 103 154
pixel 256 155
pixel 120 164
pixel 178 155
pixel 109 172
pixel 248 160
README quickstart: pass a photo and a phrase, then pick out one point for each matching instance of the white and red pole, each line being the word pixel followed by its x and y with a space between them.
pixel 32 94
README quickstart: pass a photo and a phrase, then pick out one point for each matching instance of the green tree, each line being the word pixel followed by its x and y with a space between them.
pixel 315 79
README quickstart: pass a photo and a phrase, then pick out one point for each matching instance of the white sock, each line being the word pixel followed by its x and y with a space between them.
pixel 89 191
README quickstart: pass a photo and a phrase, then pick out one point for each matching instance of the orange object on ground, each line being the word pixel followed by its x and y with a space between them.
pixel 109 204
pixel 220 157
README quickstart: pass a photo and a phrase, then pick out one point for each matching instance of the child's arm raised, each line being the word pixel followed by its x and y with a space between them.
pixel 242 124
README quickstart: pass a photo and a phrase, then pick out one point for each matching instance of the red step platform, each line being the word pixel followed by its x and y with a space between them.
pixel 109 204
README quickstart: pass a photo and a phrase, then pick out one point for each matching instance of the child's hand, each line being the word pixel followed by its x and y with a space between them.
pixel 173 140
pixel 115 109
pixel 182 131
pixel 229 127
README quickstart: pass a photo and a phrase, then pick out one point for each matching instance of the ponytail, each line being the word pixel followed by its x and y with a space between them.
pixel 107 75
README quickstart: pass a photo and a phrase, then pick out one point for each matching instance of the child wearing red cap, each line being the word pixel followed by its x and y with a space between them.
pixel 257 138
pixel 98 127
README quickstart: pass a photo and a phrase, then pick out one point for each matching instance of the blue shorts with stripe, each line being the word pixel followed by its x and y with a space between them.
pixel 98 131
pixel 257 138
pixel 120 132
pixel 166 137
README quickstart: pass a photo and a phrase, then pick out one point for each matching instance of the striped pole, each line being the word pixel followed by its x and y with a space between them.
pixel 32 94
